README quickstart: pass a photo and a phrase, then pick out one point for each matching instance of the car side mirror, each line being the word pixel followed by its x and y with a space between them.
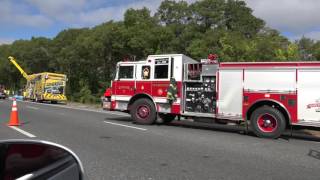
pixel 36 159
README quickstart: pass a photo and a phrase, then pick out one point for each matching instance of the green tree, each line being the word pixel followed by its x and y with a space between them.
pixel 293 52
pixel 208 13
pixel 239 18
pixel 316 50
pixel 172 12
pixel 306 48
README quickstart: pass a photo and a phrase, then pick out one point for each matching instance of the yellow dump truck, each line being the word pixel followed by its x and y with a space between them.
pixel 44 86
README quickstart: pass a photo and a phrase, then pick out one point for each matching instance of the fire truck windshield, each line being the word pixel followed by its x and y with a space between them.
pixel 125 72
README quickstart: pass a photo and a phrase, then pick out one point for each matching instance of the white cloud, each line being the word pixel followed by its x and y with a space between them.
pixel 12 14
pixel 52 7
pixel 295 16
pixel 60 10
pixel 312 35
pixel 116 12
pixel 76 12
pixel 30 20
pixel 100 15
pixel 6 41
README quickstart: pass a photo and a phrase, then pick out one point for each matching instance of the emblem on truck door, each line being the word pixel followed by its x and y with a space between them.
pixel 315 105
pixel 160 91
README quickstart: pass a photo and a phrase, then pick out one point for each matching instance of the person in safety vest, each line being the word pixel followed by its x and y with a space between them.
pixel 172 91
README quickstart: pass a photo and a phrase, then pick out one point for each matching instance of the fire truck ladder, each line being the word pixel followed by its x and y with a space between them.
pixel 13 61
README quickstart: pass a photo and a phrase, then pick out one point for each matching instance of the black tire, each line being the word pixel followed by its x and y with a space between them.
pixel 143 111
pixel 54 102
pixel 167 118
pixel 267 122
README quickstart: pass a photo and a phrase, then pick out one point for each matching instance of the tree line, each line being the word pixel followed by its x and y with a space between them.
pixel 88 55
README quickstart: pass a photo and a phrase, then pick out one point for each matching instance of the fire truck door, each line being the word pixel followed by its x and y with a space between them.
pixel 125 82
pixel 161 77
pixel 143 77
pixel 309 95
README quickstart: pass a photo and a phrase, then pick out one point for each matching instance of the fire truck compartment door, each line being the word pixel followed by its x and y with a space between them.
pixel 278 80
pixel 230 92
pixel 309 95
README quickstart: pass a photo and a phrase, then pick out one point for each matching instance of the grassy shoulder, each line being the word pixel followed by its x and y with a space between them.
pixel 93 105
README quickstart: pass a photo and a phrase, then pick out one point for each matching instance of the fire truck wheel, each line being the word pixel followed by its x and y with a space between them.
pixel 143 111
pixel 167 118
pixel 268 122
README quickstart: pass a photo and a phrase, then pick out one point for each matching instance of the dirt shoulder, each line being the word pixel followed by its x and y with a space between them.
pixel 86 106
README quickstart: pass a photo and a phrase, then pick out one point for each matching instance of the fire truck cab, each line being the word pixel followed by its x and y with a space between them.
pixel 269 96
pixel 149 80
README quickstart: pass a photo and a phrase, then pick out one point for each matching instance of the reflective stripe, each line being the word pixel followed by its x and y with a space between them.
pixel 160 100
pixel 54 96
pixel 123 98
pixel 14 108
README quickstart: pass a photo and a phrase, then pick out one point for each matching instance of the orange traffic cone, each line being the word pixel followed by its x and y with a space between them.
pixel 14 119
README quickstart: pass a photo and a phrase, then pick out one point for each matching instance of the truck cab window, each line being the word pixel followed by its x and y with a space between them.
pixel 161 68
pixel 161 72
pixel 145 72
pixel 125 72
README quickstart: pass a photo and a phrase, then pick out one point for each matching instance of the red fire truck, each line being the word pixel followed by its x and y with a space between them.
pixel 268 96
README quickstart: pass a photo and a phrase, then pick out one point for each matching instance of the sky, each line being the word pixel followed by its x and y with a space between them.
pixel 22 19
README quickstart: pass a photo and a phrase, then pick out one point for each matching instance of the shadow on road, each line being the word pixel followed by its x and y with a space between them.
pixel 314 153
pixel 296 133
pixel 205 126
pixel 125 119
pixel 49 102
pixel 24 122
pixel 301 134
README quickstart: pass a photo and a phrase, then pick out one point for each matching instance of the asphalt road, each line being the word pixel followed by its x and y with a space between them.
pixel 111 147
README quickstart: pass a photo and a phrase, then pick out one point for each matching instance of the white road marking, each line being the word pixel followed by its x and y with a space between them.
pixel 142 129
pixel 31 107
pixel 25 177
pixel 82 109
pixel 23 132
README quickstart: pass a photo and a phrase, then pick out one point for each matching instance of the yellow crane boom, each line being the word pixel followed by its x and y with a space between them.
pixel 13 61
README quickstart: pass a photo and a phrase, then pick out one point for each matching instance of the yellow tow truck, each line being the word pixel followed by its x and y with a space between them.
pixel 45 86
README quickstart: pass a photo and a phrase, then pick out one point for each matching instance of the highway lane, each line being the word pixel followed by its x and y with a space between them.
pixel 128 151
